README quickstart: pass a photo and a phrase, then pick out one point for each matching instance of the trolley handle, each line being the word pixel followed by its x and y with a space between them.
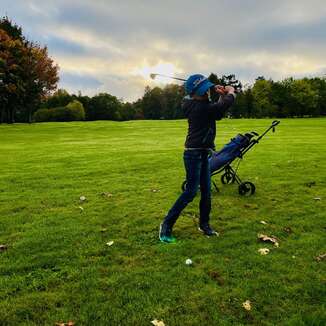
pixel 274 124
pixel 255 141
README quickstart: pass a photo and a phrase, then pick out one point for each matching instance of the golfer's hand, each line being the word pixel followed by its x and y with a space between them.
pixel 229 89
pixel 220 90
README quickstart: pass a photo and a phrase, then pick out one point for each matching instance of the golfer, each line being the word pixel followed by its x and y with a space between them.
pixel 201 115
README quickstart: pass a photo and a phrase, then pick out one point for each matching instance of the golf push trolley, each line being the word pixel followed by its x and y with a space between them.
pixel 221 162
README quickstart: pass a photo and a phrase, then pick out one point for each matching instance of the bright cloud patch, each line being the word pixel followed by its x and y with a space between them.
pixel 167 69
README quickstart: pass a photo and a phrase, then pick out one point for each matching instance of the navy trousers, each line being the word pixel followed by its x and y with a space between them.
pixel 197 174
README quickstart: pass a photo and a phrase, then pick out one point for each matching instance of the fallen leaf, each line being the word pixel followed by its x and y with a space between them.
pixel 156 322
pixel 247 305
pixel 103 230
pixel 263 251
pixel 81 209
pixel 82 198
pixel 70 323
pixel 216 277
pixel 106 194
pixel 252 206
pixel 321 257
pixel 3 247
pixel 263 222
pixel 266 238
pixel 310 184
pixel 317 198
pixel 110 243
pixel 288 230
pixel 154 190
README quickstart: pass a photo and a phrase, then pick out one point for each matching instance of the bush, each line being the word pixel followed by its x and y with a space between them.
pixel 74 111
pixel 41 115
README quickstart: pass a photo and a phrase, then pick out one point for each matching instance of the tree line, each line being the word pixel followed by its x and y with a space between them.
pixel 264 99
pixel 28 82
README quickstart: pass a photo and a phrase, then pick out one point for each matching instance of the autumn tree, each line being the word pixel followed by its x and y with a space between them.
pixel 27 74
pixel 11 84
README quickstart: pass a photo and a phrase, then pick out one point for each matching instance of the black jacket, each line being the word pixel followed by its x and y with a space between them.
pixel 201 117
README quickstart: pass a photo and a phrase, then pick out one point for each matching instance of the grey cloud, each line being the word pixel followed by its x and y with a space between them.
pixel 79 81
pixel 62 46
pixel 248 38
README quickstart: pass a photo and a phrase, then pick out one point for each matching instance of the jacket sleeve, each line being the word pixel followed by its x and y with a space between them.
pixel 219 108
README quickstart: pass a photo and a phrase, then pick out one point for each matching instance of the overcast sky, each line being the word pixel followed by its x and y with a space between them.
pixel 112 46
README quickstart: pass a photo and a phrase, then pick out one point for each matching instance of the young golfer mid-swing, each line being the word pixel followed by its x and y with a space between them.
pixel 201 115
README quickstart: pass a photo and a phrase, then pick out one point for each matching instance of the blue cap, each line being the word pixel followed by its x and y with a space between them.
pixel 198 85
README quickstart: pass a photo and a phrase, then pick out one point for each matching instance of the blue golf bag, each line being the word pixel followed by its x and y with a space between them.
pixel 229 152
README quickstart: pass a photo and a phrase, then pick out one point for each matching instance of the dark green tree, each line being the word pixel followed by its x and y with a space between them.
pixel 262 95
pixel 60 98
pixel 153 103
pixel 104 107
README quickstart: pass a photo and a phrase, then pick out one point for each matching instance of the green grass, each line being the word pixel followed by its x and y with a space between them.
pixel 59 268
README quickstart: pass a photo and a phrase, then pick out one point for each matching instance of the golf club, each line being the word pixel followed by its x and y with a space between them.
pixel 154 75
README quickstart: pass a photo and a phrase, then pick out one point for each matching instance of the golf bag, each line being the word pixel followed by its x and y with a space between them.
pixel 230 151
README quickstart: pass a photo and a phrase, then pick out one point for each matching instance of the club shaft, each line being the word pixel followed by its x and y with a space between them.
pixel 176 78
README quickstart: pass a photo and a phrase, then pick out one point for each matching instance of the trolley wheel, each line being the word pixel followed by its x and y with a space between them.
pixel 184 185
pixel 227 178
pixel 247 188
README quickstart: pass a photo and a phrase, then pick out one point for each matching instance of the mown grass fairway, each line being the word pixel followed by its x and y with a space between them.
pixel 58 267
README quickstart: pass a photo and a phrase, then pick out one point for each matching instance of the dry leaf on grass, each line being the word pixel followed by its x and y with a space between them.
pixel 110 243
pixel 216 277
pixel 103 230
pixel 310 184
pixel 154 190
pixel 156 322
pixel 263 222
pixel 288 230
pixel 252 206
pixel 81 209
pixel 317 198
pixel 247 305
pixel 321 257
pixel 266 238
pixel 263 251
pixel 70 323
pixel 3 247
pixel 106 194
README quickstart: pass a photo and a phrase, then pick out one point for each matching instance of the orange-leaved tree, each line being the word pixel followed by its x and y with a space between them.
pixel 27 74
